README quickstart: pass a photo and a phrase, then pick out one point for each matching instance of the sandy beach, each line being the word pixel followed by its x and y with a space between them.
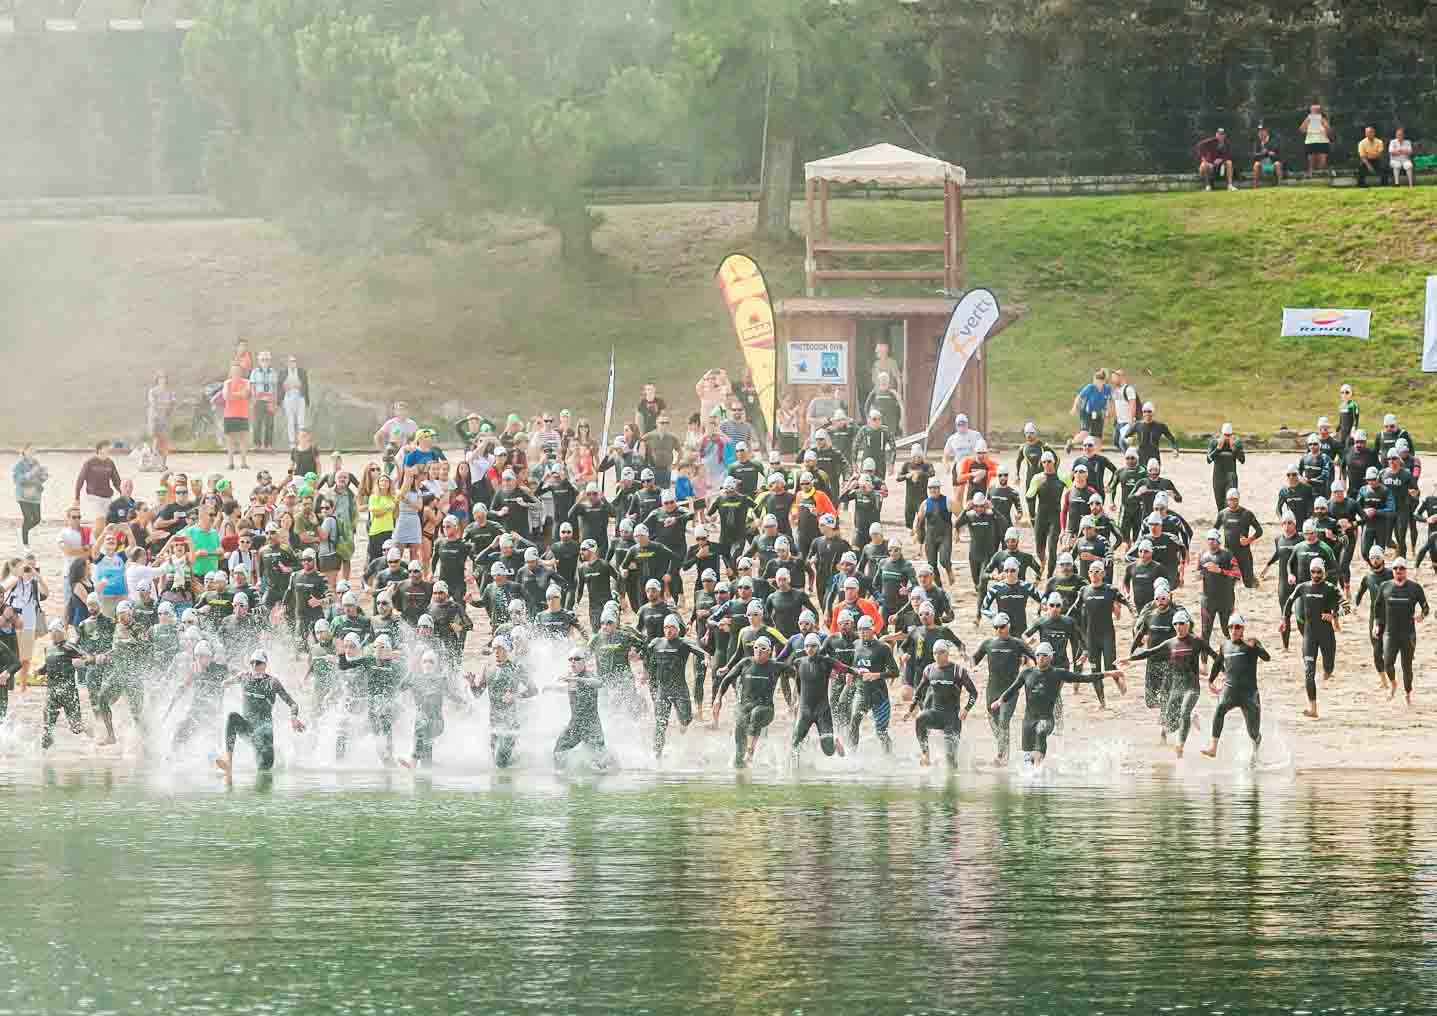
pixel 1360 725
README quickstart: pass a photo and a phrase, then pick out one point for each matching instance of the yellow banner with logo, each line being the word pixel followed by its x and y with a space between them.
pixel 746 294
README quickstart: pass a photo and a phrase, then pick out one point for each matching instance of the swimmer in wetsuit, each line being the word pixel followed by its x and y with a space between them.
pixel 940 690
pixel 1238 661
pixel 1040 685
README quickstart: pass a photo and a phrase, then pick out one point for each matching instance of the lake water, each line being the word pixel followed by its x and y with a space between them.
pixel 375 892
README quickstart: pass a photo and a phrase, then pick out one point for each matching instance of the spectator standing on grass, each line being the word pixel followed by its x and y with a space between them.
pixel 1399 158
pixel 1316 138
pixel 1265 158
pixel 1093 404
pixel 96 486
pixel 236 415
pixel 295 386
pixel 1369 157
pixel 30 478
pixel 1215 159
pixel 264 390
pixel 159 408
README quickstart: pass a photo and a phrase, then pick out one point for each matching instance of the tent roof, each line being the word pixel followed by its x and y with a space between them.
pixel 884 164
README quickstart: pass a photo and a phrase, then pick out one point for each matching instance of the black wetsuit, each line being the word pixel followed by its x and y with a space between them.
pixel 1238 661
pixel 1046 501
pixel 256 721
pixel 1183 655
pixel 665 661
pixel 1005 659
pixel 62 690
pixel 584 723
pixel 1095 606
pixel 504 681
pixel 380 681
pixel 814 708
pixel 1319 636
pixel 1235 524
pixel 1224 460
pixel 940 689
pixel 756 682
pixel 1218 589
pixel 1140 577
pixel 872 696
pixel 1398 605
pixel 983 538
pixel 1040 693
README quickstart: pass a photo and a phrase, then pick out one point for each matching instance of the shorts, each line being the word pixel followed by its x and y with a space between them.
pixel 1215 163
pixel 93 507
pixel 1318 147
pixel 236 425
pixel 1397 164
pixel 1268 167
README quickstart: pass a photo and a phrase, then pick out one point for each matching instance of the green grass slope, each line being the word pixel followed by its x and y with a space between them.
pixel 1185 290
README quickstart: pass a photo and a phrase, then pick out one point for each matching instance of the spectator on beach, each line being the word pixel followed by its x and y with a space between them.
pixel 714 452
pixel 1399 158
pixel 236 415
pixel 884 363
pixel 295 386
pixel 264 393
pixel 1093 404
pixel 790 424
pixel 1215 159
pixel 30 478
pixel 96 486
pixel 1266 161
pixel 713 390
pixel 822 407
pixel 746 392
pixel 646 413
pixel 24 590
pixel 1125 408
pixel 1316 138
pixel 1369 157
pixel 159 408
pixel 661 451
pixel 243 356
pixel 402 426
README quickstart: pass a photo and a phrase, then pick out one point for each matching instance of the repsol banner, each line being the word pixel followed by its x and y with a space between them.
pixel 1300 321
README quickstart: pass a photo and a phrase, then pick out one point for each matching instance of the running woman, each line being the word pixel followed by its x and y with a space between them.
pixel 1183 653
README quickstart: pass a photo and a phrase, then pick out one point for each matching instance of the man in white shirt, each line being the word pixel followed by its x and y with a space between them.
pixel 1125 408
pixel 1399 157
pixel 961 443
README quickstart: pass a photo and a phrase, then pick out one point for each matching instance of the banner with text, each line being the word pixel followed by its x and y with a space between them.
pixel 746 294
pixel 817 363
pixel 1351 324
pixel 1429 335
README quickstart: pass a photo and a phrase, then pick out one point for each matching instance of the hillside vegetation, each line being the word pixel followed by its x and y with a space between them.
pixel 1187 290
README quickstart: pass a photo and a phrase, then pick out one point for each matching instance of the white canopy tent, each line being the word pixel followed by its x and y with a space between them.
pixel 888 166
pixel 885 164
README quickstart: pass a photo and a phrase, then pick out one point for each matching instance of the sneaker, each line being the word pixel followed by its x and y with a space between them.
pixel 1231 187
pixel 1208 187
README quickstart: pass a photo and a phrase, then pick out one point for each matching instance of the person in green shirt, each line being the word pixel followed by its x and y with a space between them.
pixel 204 540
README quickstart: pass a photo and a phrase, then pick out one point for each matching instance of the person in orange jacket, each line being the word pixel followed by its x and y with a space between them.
pixel 851 600
pixel 975 473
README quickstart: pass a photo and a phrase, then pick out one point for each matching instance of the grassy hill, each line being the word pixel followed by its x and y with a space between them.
pixel 1187 290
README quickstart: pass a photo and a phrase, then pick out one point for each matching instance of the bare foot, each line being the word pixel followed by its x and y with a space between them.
pixel 1179 749
pixel 923 759
pixel 1408 696
pixel 407 763
pixel 1310 712
pixel 1392 691
pixel 1209 752
pixel 106 741
pixel 222 764
pixel 838 749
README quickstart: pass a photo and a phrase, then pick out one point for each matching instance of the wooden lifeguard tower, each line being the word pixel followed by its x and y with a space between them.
pixel 830 340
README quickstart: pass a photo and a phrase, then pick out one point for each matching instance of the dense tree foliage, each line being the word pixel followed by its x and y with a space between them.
pixel 370 121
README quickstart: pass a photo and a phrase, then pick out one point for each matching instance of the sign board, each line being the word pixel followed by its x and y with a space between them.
pixel 818 363
pixel 1303 321
pixel 1429 336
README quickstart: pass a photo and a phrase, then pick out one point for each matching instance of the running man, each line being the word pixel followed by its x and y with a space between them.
pixel 939 690
pixel 256 722
pixel 1040 685
pixel 1238 661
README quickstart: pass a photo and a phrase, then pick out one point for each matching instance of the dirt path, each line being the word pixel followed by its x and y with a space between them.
pixel 1360 726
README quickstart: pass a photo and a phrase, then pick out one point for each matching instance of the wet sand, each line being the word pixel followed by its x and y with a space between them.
pixel 1360 726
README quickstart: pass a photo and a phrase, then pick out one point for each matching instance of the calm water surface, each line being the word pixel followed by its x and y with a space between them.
pixel 376 893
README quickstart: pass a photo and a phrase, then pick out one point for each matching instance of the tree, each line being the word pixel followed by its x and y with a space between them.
pixel 376 125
